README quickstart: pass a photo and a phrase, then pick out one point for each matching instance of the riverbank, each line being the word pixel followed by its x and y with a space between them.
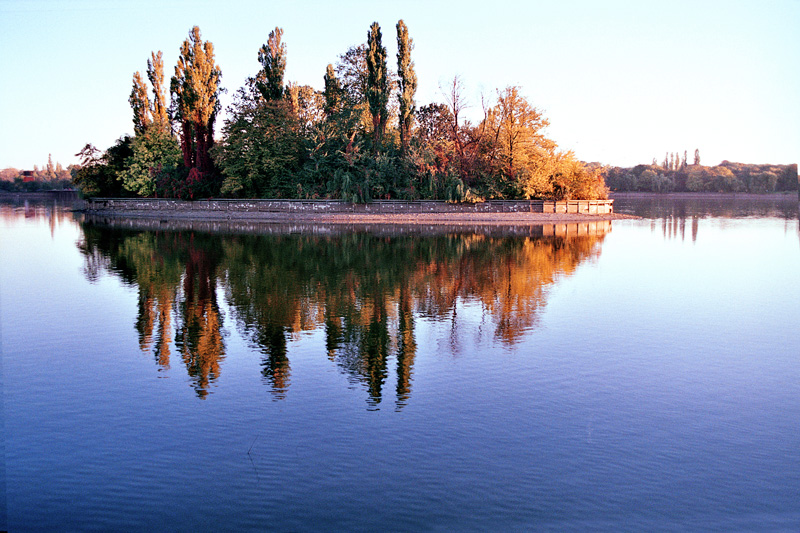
pixel 501 212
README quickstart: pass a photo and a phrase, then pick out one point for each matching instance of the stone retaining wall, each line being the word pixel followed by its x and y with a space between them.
pixel 260 227
pixel 219 208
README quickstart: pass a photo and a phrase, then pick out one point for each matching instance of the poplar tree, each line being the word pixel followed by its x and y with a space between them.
pixel 377 83
pixel 155 73
pixel 333 91
pixel 272 57
pixel 51 169
pixel 407 84
pixel 140 104
pixel 697 156
pixel 195 96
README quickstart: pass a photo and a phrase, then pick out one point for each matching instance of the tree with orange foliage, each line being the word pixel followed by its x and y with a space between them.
pixel 195 98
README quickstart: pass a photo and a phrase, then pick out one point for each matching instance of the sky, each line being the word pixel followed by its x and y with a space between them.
pixel 621 82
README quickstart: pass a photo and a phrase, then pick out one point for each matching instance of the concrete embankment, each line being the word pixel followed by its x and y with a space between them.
pixel 379 211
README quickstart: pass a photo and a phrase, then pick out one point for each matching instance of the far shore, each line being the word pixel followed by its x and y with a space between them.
pixel 793 195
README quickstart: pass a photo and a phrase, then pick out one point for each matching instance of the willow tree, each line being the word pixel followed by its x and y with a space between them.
pixel 377 83
pixel 155 73
pixel 407 84
pixel 140 103
pixel 195 96
pixel 272 57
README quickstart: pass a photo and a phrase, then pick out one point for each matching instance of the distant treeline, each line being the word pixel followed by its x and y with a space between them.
pixel 362 137
pixel 49 177
pixel 725 177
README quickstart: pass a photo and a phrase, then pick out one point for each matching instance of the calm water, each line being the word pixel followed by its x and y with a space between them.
pixel 637 375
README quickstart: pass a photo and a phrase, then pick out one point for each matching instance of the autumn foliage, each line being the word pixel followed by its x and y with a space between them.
pixel 362 137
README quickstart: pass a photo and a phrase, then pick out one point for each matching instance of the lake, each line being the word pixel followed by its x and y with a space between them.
pixel 633 375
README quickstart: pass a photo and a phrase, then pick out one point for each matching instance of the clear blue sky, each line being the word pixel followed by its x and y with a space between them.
pixel 620 81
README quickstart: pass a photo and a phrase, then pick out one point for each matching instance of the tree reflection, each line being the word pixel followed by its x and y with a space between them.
pixel 365 290
pixel 198 334
pixel 673 212
pixel 175 274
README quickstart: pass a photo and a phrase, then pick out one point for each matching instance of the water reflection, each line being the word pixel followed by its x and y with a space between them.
pixel 52 206
pixel 366 289
pixel 176 277
pixel 672 214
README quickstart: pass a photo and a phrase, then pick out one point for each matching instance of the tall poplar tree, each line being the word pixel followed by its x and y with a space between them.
pixel 272 57
pixel 377 83
pixel 333 91
pixel 155 73
pixel 140 104
pixel 407 84
pixel 195 96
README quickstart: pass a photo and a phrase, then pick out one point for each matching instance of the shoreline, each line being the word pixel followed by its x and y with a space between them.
pixel 319 228
pixel 425 212
pixel 450 219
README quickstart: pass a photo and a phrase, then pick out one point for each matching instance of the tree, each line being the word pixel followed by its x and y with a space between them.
pixel 352 73
pixel 697 156
pixel 333 91
pixel 155 73
pixel 377 83
pixel 434 126
pixel 99 174
pixel 140 103
pixel 195 98
pixel 456 103
pixel 516 127
pixel 307 105
pixel 260 153
pixel 408 84
pixel 153 152
pixel 50 169
pixel 272 57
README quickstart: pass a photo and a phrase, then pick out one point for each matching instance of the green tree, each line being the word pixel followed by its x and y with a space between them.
pixel 260 153
pixel 352 73
pixel 99 174
pixel 377 84
pixel 333 91
pixel 407 84
pixel 272 56
pixel 154 152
